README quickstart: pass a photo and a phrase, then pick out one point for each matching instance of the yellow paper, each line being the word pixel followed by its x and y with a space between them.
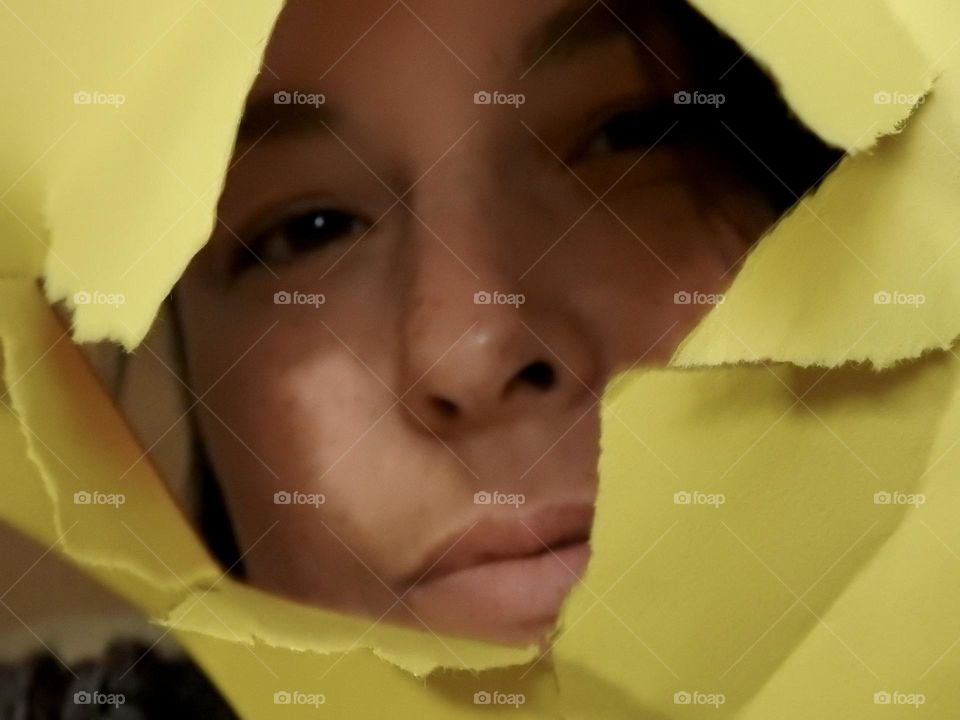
pixel 69 439
pixel 864 269
pixel 764 567
pixel 835 63
pixel 125 121
pixel 799 596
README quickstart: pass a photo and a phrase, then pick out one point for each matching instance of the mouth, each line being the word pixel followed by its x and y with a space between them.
pixel 505 577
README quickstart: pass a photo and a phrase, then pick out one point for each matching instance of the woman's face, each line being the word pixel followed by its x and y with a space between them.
pixel 405 319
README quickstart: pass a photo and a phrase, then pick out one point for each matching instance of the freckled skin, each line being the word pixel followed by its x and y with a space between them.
pixel 306 398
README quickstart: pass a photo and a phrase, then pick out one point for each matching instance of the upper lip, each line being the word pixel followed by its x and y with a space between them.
pixel 493 538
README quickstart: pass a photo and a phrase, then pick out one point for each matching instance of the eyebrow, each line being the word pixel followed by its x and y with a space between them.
pixel 573 29
pixel 264 115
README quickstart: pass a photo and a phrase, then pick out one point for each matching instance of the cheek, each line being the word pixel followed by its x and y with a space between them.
pixel 310 417
pixel 295 405
pixel 285 420
pixel 646 268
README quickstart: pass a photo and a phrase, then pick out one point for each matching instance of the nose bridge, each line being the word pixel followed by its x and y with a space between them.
pixel 476 348
pixel 459 234
pixel 457 265
pixel 466 186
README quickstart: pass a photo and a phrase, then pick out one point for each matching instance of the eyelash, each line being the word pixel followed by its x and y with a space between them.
pixel 628 130
pixel 295 233
pixel 284 238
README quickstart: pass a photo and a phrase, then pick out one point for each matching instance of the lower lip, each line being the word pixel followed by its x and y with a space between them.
pixel 499 599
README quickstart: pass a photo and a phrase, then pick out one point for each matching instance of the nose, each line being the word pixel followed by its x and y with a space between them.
pixel 481 350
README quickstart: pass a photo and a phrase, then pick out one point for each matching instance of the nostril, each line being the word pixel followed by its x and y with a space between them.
pixel 444 407
pixel 539 374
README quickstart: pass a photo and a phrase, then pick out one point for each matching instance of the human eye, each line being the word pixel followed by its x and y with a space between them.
pixel 628 130
pixel 297 231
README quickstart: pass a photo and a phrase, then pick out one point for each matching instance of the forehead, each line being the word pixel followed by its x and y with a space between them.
pixel 481 40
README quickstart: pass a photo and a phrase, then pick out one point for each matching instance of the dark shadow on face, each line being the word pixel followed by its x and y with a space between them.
pixel 443 230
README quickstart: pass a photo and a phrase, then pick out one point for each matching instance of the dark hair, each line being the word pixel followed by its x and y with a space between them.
pixel 754 128
pixel 212 517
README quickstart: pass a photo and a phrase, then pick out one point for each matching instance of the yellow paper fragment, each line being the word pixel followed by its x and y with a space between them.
pixel 69 441
pixel 359 685
pixel 865 269
pixel 850 70
pixel 126 116
pixel 80 446
pixel 770 595
pixel 783 555
pixel 237 612
pixel 23 488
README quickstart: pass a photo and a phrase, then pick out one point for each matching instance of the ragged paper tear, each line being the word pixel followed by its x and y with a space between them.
pixel 68 443
pixel 817 513
pixel 864 269
pixel 235 612
pixel 803 559
pixel 79 445
pixel 849 70
pixel 115 158
pixel 834 281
